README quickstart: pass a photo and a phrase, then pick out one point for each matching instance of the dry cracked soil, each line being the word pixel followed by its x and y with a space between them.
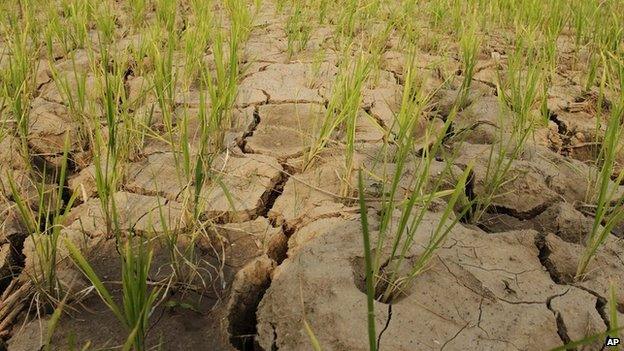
pixel 284 248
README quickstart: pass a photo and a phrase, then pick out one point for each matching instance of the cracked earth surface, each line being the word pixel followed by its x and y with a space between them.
pixel 287 248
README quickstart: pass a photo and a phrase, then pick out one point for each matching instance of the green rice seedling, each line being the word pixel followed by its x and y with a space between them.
pixel 75 95
pixel 351 101
pixel 522 81
pixel 348 18
pixel 376 46
pixel 614 324
pixel 109 151
pixel 499 164
pixel 222 84
pixel 196 38
pixel 104 23
pixel 609 208
pixel 370 281
pixel 389 283
pixel 517 97
pixel 138 300
pixel 406 231
pixel 342 110
pixel 44 226
pixel 77 21
pixel 137 8
pixel 164 82
pixel 18 81
pixel 166 17
pixel 322 10
pixel 317 62
pixel 469 43
pixel 298 28
pixel 240 22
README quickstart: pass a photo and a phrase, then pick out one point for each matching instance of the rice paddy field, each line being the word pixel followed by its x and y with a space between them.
pixel 395 175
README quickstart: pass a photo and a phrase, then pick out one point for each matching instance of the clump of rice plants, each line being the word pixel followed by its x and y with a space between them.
pixel 342 110
pixel 138 299
pixel 609 207
pixel 387 279
pixel 44 226
pixel 518 93
pixel 298 28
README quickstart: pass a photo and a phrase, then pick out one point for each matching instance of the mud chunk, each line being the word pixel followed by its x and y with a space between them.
pixel 285 130
pixel 563 220
pixel 243 187
pixel 523 193
pixel 479 281
pixel 137 213
pixel 49 123
pixel 606 266
pixel 246 241
pixel 578 321
pixel 158 174
pixel 278 83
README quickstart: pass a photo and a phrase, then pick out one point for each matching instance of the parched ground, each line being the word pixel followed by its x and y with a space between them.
pixel 285 247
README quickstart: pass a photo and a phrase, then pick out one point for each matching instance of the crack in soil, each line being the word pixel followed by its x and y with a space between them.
pixel 562 329
pixel 601 305
pixel 543 255
pixel 250 130
pixel 385 326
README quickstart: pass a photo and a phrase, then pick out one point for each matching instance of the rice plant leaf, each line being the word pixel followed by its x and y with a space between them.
pixel 316 346
pixel 87 270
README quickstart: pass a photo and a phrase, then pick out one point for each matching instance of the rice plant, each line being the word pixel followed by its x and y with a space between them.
pixel 609 210
pixel 298 28
pixel 517 93
pixel 342 111
pixel 138 299
pixel 18 81
pixel 385 269
pixel 45 226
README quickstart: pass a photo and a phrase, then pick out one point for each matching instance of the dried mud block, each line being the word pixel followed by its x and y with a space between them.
pixel 563 220
pixel 444 99
pixel 310 195
pixel 138 213
pixel 303 235
pixel 483 291
pixel 285 130
pixel 368 129
pixel 266 45
pixel 49 122
pixel 12 234
pixel 576 321
pixel 67 274
pixel 607 265
pixel 525 191
pixel 580 128
pixel 482 121
pixel 245 241
pixel 10 226
pixel 73 82
pixel 568 177
pixel 244 187
pixel 562 93
pixel 278 83
pixel 29 337
pixel 395 62
pixel 157 175
pixel 139 91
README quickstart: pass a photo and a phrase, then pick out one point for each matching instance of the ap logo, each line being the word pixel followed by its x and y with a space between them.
pixel 612 342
